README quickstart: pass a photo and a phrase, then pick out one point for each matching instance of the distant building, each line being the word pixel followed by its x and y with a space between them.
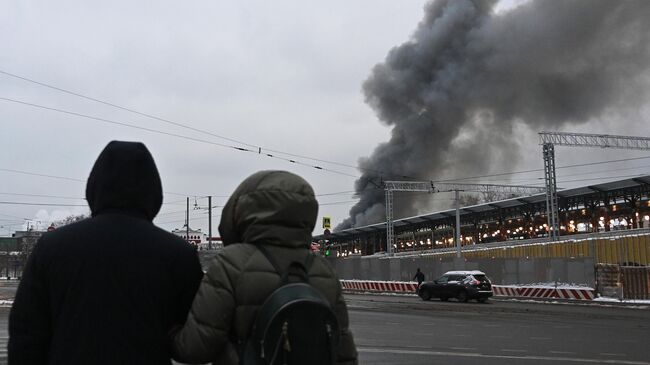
pixel 197 238
pixel 27 240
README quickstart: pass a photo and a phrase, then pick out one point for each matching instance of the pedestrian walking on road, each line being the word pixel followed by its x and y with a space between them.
pixel 419 276
pixel 266 228
pixel 108 289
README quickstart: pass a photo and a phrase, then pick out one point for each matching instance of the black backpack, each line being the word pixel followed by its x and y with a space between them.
pixel 296 325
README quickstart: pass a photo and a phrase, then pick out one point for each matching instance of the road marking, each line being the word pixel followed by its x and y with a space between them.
pixel 463 348
pixel 512 350
pixel 476 355
pixel 610 354
pixel 393 323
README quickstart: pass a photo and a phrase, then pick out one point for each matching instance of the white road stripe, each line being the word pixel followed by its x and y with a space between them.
pixel 610 354
pixel 477 355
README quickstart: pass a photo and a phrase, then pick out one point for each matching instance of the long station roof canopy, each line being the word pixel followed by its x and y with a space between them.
pixel 491 206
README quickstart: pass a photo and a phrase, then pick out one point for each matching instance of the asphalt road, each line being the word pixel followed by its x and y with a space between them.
pixel 406 330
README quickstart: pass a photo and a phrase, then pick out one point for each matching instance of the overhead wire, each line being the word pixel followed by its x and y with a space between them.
pixel 241 142
pixel 259 148
pixel 23 172
pixel 538 170
pixel 42 196
pixel 176 135
pixel 42 204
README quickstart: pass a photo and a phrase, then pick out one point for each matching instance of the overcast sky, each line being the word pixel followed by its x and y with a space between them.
pixel 283 75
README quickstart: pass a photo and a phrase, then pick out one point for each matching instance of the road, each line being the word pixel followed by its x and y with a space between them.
pixel 406 330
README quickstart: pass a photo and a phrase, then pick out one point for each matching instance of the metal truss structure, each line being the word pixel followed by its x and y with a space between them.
pixel 594 140
pixel 550 139
pixel 433 187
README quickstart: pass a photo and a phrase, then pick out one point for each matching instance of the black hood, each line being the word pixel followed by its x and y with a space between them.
pixel 125 179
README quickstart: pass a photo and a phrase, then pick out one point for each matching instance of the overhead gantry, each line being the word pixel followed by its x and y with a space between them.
pixel 549 140
pixel 434 187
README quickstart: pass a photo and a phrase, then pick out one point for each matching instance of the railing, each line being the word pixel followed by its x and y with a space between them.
pixel 485 246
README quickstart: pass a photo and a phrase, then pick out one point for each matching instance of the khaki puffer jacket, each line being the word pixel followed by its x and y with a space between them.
pixel 276 209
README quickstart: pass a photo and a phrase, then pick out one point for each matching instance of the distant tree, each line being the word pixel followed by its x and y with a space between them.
pixel 492 196
pixel 467 200
pixel 69 220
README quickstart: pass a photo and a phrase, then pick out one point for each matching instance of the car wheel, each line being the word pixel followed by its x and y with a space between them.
pixel 443 299
pixel 482 300
pixel 425 295
pixel 462 296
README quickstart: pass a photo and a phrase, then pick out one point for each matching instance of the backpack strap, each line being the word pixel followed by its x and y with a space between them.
pixel 295 268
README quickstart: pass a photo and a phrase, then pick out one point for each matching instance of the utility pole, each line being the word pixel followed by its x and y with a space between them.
pixel 210 222
pixel 457 229
pixel 187 220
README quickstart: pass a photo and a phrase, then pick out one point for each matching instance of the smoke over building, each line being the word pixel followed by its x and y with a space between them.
pixel 456 90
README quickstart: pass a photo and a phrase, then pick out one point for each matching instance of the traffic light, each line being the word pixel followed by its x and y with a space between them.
pixel 327 252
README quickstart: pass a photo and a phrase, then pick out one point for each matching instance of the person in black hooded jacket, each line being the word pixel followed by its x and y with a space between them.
pixel 106 290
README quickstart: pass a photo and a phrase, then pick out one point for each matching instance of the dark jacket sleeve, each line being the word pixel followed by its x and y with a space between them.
pixel 188 274
pixel 30 321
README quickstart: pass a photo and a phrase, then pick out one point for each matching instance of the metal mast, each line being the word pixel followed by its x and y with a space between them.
pixel 550 139
pixel 389 187
pixel 433 187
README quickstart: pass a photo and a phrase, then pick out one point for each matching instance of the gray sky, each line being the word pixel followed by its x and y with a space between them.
pixel 283 75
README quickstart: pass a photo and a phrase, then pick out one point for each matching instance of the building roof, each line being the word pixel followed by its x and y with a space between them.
pixel 493 206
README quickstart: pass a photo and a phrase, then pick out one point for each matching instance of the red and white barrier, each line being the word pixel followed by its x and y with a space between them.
pixel 505 291
pixel 533 292
pixel 380 286
pixel 579 294
pixel 498 290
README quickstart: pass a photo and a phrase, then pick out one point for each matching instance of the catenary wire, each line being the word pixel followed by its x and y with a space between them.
pixel 182 125
pixel 156 131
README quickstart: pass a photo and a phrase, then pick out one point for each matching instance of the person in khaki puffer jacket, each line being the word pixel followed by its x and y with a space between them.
pixel 276 209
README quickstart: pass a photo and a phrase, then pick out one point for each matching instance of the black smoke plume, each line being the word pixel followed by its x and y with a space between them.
pixel 456 90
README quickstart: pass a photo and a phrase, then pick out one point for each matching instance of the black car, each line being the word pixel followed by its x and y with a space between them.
pixel 462 285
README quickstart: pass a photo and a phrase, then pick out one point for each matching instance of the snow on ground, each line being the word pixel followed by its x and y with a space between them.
pixel 616 300
pixel 552 285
